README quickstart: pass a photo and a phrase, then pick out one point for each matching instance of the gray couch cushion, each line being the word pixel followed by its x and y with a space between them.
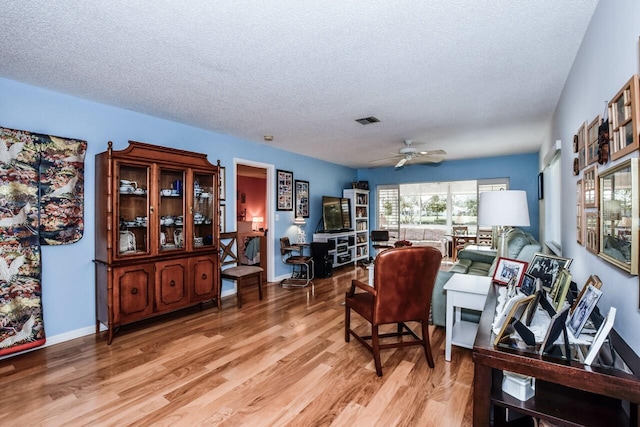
pixel 479 269
pixel 461 266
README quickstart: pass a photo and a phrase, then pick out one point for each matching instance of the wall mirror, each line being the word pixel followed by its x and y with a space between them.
pixel 619 215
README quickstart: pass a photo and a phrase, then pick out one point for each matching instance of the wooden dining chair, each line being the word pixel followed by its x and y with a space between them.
pixel 403 281
pixel 231 268
pixel 460 240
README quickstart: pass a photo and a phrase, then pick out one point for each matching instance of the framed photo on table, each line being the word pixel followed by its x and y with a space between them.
pixel 601 335
pixel 581 314
pixel 302 198
pixel 284 190
pixel 508 268
pixel 516 310
pixel 560 288
pixel 547 268
pixel 556 326
pixel 593 280
pixel 528 284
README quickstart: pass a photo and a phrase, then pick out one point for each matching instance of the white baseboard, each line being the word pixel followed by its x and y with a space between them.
pixel 57 339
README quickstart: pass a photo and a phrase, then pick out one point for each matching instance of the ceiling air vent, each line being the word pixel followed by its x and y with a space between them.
pixel 367 120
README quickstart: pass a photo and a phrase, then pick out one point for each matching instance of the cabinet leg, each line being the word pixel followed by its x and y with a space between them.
pixel 481 395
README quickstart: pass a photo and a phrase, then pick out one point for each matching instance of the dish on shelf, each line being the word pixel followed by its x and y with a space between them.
pixel 177 237
pixel 127 242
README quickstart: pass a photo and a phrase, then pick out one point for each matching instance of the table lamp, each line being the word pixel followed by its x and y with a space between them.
pixel 503 209
pixel 299 221
pixel 257 220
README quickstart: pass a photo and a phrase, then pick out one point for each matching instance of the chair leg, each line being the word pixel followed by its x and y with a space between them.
pixel 347 323
pixel 375 341
pixel 239 292
pixel 260 286
pixel 426 343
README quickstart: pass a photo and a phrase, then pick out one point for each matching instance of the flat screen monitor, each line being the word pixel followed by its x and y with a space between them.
pixel 336 214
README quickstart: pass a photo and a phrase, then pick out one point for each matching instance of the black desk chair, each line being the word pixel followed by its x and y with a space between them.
pixel 302 266
pixel 380 240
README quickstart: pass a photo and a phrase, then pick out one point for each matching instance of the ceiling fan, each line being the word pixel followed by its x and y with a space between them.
pixel 414 153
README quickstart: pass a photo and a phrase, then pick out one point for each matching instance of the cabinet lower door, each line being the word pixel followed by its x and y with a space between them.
pixel 171 284
pixel 204 282
pixel 132 292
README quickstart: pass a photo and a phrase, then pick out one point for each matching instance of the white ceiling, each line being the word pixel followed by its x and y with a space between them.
pixel 474 78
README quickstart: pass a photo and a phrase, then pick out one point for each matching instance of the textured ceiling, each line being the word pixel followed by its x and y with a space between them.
pixel 473 78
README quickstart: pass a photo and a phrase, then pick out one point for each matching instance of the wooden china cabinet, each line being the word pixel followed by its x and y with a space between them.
pixel 157 232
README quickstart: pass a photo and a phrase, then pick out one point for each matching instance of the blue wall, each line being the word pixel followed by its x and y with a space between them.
pixel 68 272
pixel 68 283
pixel 522 171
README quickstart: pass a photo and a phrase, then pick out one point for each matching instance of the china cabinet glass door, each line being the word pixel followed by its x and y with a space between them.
pixel 132 210
pixel 203 212
pixel 171 215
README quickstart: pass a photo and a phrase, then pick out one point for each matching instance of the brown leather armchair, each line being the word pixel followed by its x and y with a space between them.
pixel 401 292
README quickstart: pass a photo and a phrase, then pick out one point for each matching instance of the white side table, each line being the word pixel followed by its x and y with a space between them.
pixel 463 291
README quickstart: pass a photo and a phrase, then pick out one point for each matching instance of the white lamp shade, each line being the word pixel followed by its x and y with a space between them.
pixel 258 219
pixel 299 221
pixel 506 208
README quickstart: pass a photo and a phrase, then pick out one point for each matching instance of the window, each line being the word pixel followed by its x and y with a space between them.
pixel 433 204
pixel 389 209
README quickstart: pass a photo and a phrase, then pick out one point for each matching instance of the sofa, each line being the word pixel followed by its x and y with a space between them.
pixel 520 245
pixel 419 236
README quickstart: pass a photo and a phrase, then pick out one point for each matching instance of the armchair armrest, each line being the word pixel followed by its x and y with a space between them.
pixel 365 287
pixel 477 256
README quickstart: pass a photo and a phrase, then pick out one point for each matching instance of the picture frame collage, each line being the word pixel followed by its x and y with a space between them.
pixel 604 224
pixel 545 282
pixel 292 195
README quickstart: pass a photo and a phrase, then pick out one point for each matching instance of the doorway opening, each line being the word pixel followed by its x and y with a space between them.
pixel 253 183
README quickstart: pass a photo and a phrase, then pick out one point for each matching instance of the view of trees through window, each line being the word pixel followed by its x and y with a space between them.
pixel 439 203
pixel 433 204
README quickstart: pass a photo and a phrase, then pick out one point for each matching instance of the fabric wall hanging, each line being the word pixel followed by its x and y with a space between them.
pixel 41 203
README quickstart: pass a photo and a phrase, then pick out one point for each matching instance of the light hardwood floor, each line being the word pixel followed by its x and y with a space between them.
pixel 282 361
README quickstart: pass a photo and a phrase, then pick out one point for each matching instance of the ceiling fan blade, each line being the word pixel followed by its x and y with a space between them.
pixel 432 152
pixel 386 159
pixel 401 162
pixel 429 159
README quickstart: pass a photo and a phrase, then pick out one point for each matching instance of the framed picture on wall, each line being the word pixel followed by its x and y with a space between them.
pixel 592 140
pixel 302 198
pixel 284 190
pixel 582 148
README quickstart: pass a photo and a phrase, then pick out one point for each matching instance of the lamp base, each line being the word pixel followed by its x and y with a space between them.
pixel 503 249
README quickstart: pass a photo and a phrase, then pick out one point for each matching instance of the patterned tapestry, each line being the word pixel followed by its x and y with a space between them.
pixel 41 203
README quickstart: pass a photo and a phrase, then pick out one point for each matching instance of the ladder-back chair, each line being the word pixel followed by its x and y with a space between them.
pixel 231 268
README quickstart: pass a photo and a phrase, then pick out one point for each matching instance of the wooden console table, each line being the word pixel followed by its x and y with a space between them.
pixel 567 392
